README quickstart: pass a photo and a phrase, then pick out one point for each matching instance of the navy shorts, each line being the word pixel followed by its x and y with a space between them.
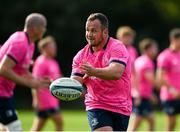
pixel 100 118
pixel 144 108
pixel 171 107
pixel 47 113
pixel 7 110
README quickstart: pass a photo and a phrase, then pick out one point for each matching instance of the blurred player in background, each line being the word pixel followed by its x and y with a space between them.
pixel 103 65
pixel 168 76
pixel 15 58
pixel 46 105
pixel 127 35
pixel 145 75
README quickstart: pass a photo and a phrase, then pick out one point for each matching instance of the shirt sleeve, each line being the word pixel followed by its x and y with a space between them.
pixel 77 60
pixel 163 62
pixel 119 54
pixel 17 52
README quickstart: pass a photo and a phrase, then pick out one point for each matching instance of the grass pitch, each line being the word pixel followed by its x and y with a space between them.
pixel 75 120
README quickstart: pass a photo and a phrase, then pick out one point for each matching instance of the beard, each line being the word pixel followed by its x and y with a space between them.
pixel 95 43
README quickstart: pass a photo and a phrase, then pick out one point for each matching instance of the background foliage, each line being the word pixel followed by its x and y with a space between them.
pixel 66 21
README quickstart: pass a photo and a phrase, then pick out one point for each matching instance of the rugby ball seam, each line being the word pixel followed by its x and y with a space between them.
pixel 79 88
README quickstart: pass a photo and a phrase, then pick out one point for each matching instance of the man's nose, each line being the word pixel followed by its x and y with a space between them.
pixel 90 35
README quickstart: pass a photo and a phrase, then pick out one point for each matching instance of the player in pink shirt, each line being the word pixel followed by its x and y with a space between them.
pixel 46 105
pixel 145 75
pixel 15 58
pixel 168 76
pixel 126 34
pixel 103 65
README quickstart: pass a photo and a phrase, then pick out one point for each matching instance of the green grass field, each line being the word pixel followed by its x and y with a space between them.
pixel 77 121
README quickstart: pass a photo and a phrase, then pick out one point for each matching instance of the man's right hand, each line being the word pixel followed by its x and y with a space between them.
pixel 39 83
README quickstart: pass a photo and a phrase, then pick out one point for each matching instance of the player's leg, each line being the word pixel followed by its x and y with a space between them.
pixel 151 123
pixel 40 120
pixel 106 128
pixel 135 122
pixel 171 122
pixel 148 113
pixel 8 115
pixel 58 121
pixel 15 126
pixel 171 108
pixel 100 120
pixel 120 122
pixel 138 113
pixel 38 124
pixel 133 115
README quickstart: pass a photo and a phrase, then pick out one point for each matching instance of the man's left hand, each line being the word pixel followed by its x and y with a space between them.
pixel 88 69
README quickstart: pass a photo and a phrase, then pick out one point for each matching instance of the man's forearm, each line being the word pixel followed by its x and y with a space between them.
pixel 162 82
pixel 107 73
pixel 80 79
pixel 11 75
pixel 160 77
pixel 111 72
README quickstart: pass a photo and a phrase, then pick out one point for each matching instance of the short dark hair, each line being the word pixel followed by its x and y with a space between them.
pixel 101 17
pixel 174 33
pixel 146 43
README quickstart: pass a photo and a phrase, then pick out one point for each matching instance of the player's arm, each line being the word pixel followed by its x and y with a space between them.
pixel 34 95
pixel 6 70
pixel 118 58
pixel 160 77
pixel 150 76
pixel 78 78
pixel 77 73
pixel 163 65
pixel 29 75
pixel 112 72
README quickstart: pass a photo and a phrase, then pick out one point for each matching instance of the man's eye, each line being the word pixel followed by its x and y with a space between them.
pixel 91 31
pixel 94 31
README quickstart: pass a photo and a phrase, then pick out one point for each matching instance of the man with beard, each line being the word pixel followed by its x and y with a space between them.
pixel 103 65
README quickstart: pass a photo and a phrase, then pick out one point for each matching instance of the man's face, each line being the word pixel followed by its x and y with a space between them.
pixel 39 32
pixel 177 43
pixel 51 49
pixel 95 34
pixel 153 50
pixel 127 39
